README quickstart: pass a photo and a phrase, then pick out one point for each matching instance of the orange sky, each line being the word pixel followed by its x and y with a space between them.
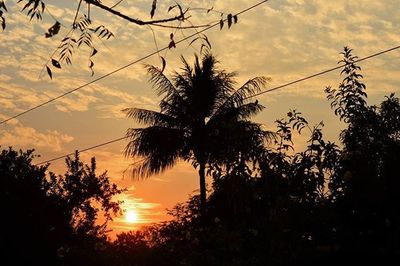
pixel 284 40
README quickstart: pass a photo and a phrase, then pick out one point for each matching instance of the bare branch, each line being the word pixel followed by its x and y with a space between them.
pixel 134 20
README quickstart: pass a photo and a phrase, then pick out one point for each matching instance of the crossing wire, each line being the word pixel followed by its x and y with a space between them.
pixel 124 67
pixel 252 96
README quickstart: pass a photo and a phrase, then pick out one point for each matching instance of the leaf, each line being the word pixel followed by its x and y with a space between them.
pixel 207 41
pixel 55 63
pixel 3 23
pixel 94 52
pixel 26 6
pixel 153 8
pixel 209 10
pixel 171 7
pixel 91 65
pixel 235 19
pixel 53 30
pixel 201 48
pixel 195 39
pixel 229 20
pixel 164 64
pixel 221 24
pixel 171 44
pixel 49 72
pixel 3 5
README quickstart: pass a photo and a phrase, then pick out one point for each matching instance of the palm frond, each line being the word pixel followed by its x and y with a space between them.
pixel 160 82
pixel 151 166
pixel 247 90
pixel 236 113
pixel 160 146
pixel 149 117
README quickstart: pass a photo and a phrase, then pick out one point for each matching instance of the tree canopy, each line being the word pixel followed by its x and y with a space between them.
pixel 202 119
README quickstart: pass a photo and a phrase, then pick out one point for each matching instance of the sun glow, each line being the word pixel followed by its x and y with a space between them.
pixel 131 216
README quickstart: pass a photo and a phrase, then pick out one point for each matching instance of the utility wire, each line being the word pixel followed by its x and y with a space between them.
pixel 252 96
pixel 125 66
pixel 83 150
pixel 322 72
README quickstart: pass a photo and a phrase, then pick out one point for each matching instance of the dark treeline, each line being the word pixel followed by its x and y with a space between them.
pixel 331 204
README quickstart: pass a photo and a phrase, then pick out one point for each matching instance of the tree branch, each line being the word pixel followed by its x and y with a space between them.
pixel 134 20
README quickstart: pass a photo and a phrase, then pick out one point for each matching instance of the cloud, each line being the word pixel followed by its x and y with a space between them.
pixel 285 40
pixel 22 136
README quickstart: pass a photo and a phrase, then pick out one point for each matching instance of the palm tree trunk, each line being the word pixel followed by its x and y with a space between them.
pixel 203 195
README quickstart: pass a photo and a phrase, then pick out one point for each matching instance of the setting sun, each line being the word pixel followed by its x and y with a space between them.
pixel 131 216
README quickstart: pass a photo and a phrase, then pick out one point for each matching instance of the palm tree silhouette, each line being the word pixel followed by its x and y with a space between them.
pixel 202 119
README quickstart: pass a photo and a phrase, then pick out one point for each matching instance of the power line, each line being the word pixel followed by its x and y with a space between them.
pixel 125 66
pixel 255 95
pixel 83 150
pixel 323 72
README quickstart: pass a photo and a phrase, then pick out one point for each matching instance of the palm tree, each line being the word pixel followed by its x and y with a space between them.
pixel 202 119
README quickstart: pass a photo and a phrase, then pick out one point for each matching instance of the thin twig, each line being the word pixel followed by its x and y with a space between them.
pixel 116 4
pixel 77 12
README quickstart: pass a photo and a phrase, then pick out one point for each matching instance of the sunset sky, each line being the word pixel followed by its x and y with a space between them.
pixel 281 39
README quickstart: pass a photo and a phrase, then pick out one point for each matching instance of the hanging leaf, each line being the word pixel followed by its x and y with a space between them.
pixel 153 8
pixel 66 49
pixel 94 52
pixel 53 30
pixel 221 24
pixel 91 64
pixel 171 44
pixel 235 19
pixel 3 23
pixel 102 32
pixel 49 72
pixel 35 8
pixel 3 9
pixel 229 20
pixel 164 64
pixel 55 63
pixel 171 7
pixel 3 5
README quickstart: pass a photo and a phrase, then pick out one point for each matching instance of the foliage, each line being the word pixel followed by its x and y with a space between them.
pixel 52 219
pixel 269 204
pixel 202 119
pixel 28 230
pixel 324 205
pixel 84 194
pixel 84 30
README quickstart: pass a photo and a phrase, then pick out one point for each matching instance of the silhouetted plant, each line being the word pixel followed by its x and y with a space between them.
pixel 53 220
pixel 34 225
pixel 202 119
pixel 84 194
pixel 368 168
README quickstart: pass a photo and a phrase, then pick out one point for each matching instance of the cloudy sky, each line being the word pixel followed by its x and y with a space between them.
pixel 281 39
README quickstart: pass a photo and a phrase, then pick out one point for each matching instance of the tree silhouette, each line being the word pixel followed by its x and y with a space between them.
pixel 368 167
pixel 202 119
pixel 28 231
pixel 84 193
pixel 52 219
